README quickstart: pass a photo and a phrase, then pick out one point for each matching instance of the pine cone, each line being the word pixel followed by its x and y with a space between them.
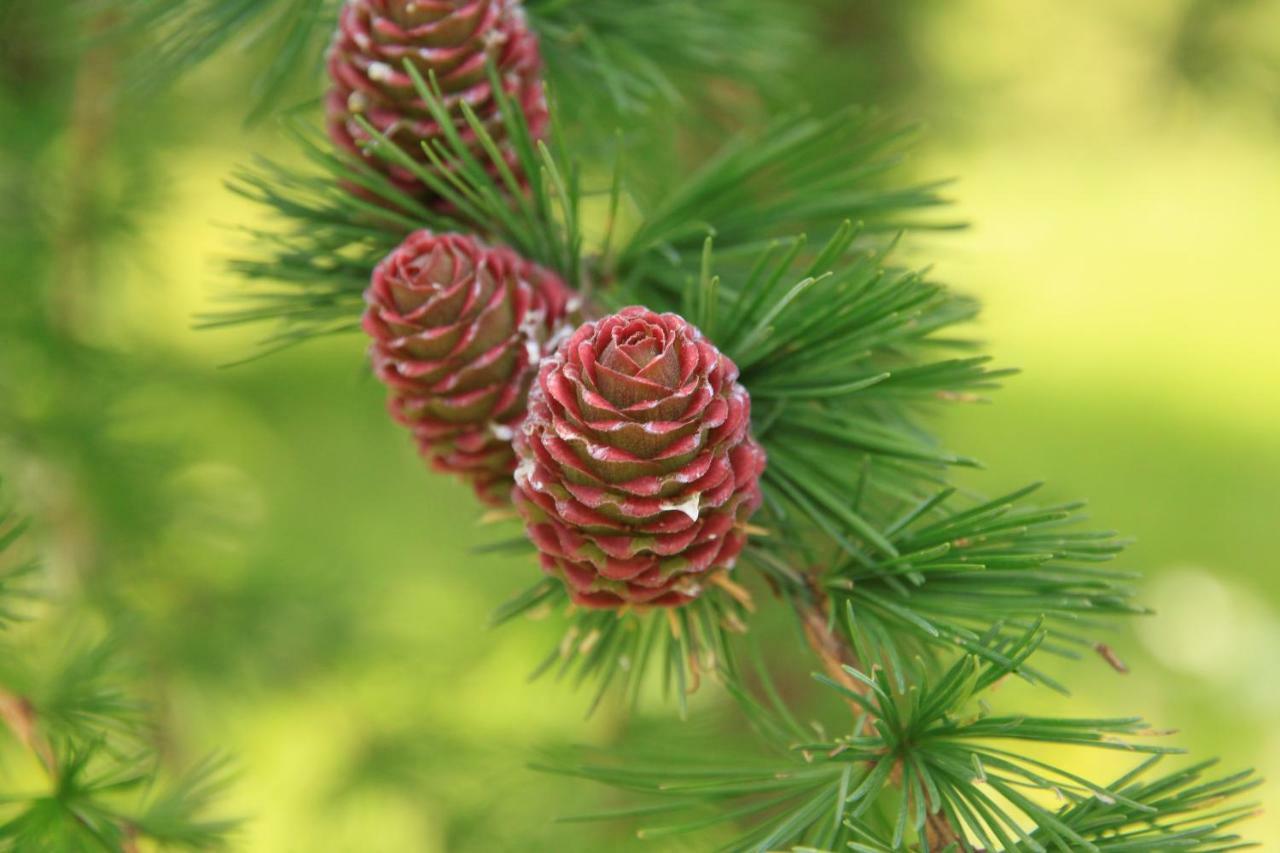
pixel 453 38
pixel 637 468
pixel 458 329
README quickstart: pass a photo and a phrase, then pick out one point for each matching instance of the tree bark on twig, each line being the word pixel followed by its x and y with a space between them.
pixel 19 715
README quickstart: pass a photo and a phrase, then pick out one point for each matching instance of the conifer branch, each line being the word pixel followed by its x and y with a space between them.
pixel 644 56
pixel 961 782
pixel 308 275
pixel 915 600
pixel 286 37
pixel 665 51
pixel 68 705
pixel 801 174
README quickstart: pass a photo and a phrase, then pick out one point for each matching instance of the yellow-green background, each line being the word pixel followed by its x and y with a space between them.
pixel 311 601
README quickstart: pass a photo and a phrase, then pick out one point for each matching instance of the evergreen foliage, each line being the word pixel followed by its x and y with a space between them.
pixel 639 56
pixel 83 767
pixel 888 579
pixel 915 599
pixel 662 52
pixel 292 33
pixel 97 781
pixel 919 764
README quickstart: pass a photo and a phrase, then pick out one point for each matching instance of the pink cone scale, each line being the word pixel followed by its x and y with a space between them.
pixel 455 39
pixel 637 471
pixel 458 329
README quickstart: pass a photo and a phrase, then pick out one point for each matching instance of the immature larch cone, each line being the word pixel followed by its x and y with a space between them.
pixel 458 329
pixel 637 469
pixel 455 39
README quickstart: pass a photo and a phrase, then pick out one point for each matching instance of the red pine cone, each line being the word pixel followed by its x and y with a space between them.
pixel 637 468
pixel 458 329
pixel 453 38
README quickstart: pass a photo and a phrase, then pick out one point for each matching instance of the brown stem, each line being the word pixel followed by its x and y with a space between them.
pixel 939 834
pixel 829 646
pixel 20 716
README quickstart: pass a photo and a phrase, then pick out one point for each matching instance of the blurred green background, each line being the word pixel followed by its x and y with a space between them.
pixel 302 594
